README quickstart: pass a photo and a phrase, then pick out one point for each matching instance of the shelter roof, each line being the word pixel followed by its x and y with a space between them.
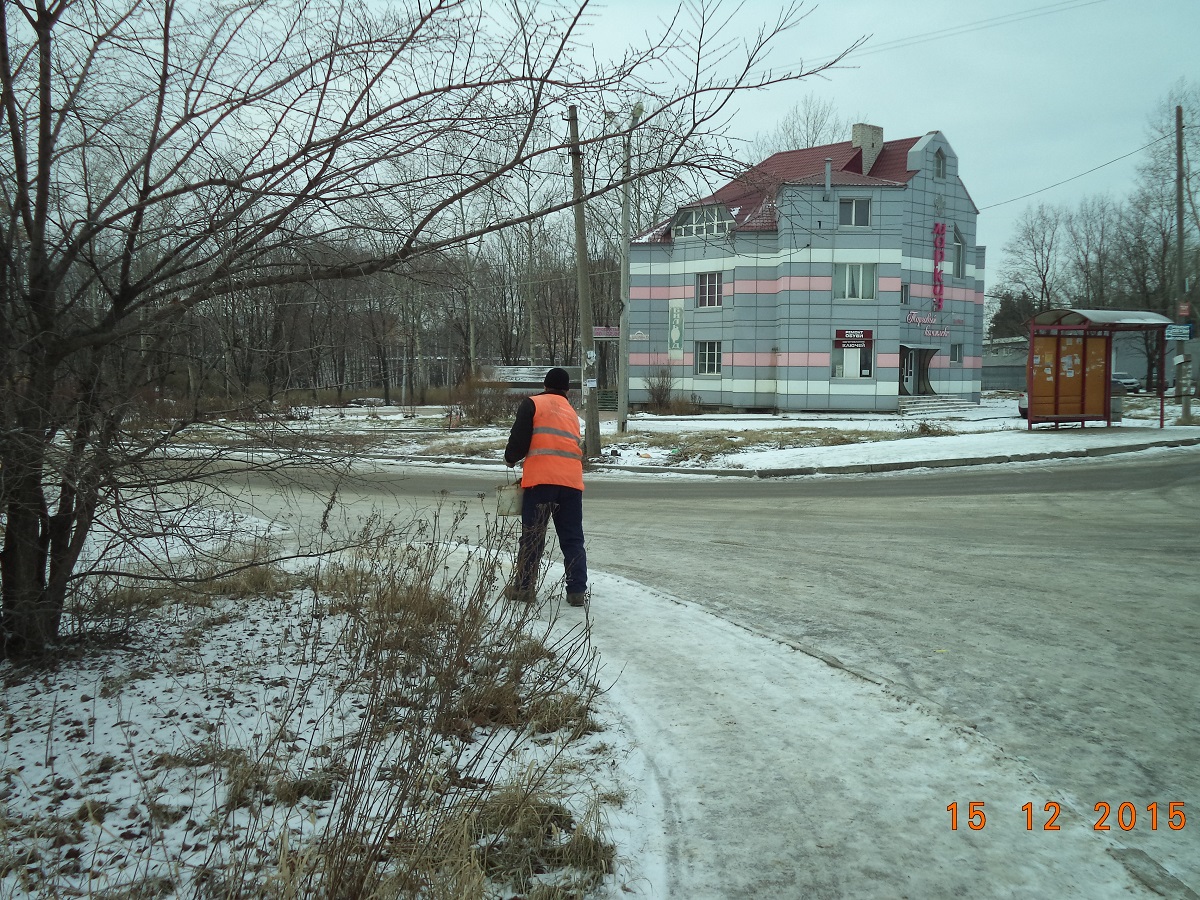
pixel 1110 319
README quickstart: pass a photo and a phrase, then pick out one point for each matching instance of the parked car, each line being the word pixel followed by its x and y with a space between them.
pixel 1130 383
pixel 1117 386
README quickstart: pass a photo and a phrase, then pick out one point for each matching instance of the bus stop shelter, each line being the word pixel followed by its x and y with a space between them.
pixel 1069 372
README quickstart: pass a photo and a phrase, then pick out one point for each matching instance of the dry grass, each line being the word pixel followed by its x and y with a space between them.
pixel 927 428
pixel 523 833
pixel 704 446
pixel 404 741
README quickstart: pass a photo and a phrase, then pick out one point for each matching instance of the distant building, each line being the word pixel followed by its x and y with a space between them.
pixel 1004 363
pixel 839 277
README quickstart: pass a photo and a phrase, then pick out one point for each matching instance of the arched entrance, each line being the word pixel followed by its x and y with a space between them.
pixel 914 369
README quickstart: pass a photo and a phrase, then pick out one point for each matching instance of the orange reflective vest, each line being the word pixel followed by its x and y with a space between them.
pixel 554 454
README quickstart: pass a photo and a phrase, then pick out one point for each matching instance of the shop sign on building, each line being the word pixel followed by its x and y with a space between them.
pixel 849 338
pixel 939 256
pixel 675 329
pixel 916 318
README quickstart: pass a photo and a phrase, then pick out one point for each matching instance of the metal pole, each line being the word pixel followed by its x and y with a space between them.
pixel 1182 366
pixel 623 336
pixel 591 435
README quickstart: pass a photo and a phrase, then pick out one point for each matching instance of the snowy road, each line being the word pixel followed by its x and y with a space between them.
pixel 776 775
pixel 1049 608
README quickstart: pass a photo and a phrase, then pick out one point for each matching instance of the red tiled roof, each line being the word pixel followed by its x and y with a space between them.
pixel 750 198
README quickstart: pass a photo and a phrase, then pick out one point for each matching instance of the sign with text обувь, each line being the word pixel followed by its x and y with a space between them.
pixel 849 338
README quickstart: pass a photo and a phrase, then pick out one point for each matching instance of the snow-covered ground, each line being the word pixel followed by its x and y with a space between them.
pixel 738 760
pixel 773 443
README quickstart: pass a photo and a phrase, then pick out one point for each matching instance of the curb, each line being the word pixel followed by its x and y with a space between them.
pixel 854 469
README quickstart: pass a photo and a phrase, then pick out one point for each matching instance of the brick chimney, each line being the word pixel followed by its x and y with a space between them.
pixel 870 139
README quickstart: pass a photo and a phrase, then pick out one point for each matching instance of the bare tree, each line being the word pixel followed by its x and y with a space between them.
pixel 160 156
pixel 1091 233
pixel 1145 258
pixel 1034 258
pixel 809 123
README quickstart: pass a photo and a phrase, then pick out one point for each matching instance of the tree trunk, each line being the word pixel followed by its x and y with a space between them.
pixel 30 620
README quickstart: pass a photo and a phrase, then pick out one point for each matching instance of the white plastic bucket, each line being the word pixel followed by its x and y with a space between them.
pixel 508 499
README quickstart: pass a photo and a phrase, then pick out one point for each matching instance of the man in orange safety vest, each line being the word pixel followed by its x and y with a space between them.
pixel 546 436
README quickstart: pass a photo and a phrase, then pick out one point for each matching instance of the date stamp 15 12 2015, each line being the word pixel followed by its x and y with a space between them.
pixel 1124 816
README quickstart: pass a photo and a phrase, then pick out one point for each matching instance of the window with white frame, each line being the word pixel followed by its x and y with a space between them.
pixel 904 295
pixel 705 220
pixel 854 212
pixel 854 281
pixel 708 289
pixel 708 358
pixel 956 354
pixel 939 164
pixel 959 267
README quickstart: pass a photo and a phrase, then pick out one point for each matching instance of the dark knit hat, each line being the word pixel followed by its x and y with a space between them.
pixel 558 380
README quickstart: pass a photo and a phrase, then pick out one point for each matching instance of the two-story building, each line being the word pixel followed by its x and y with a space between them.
pixel 838 277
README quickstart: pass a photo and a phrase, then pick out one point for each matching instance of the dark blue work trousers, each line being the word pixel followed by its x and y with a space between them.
pixel 542 504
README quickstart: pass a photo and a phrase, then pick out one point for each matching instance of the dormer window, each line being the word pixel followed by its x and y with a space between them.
pixel 939 164
pixel 701 221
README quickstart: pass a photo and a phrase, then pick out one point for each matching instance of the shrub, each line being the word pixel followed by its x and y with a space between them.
pixel 660 386
pixel 486 403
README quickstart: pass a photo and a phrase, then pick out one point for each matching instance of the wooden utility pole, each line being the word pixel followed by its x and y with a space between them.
pixel 591 432
pixel 1183 369
pixel 623 336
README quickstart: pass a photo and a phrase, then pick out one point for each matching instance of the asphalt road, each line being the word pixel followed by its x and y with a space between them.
pixel 1054 608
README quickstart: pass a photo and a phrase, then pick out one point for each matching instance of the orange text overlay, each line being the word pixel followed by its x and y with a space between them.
pixel 1109 816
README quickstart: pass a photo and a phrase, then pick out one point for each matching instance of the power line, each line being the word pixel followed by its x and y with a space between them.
pixel 1075 177
pixel 980 25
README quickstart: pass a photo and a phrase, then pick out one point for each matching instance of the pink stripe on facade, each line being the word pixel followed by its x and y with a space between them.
pixel 793 360
pixel 950 293
pixel 753 359
pixel 802 360
pixel 649 359
pixel 780 360
pixel 890 284
pixel 663 292
pixel 785 283
pixel 789 360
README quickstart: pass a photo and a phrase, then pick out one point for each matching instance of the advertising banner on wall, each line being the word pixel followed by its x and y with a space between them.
pixel 675 329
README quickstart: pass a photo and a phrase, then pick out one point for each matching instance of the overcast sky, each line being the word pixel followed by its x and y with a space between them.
pixel 1028 92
